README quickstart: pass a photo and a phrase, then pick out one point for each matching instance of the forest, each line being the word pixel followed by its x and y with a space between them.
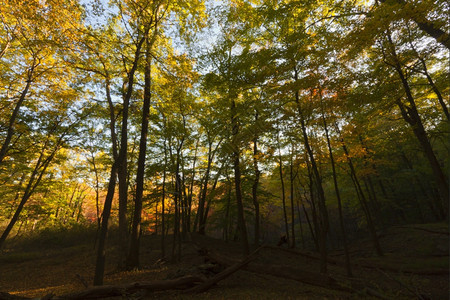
pixel 249 149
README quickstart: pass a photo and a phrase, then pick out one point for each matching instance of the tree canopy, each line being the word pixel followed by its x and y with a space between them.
pixel 245 120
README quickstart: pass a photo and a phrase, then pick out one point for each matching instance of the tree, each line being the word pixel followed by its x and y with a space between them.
pixel 419 16
pixel 56 134
pixel 32 29
pixel 133 255
pixel 411 115
pixel 32 96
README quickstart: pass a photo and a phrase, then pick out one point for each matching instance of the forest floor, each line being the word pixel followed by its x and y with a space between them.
pixel 415 266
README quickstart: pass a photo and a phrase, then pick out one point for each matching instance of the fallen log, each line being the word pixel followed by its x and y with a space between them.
pixel 7 296
pixel 99 292
pixel 224 274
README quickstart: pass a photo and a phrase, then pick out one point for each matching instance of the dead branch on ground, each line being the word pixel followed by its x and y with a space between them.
pixel 224 274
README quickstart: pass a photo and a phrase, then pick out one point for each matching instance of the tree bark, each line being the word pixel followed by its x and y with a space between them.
pixel 323 223
pixel 411 115
pixel 336 189
pixel 163 200
pixel 97 190
pixel 191 189
pixel 122 163
pixel 301 224
pixel 101 252
pixel 203 191
pixel 39 171
pixel 283 193
pixel 292 178
pixel 430 81
pixel 14 115
pixel 226 225
pixel 308 220
pixel 237 177
pixel 255 185
pixel 211 196
pixel 133 255
pixel 361 197
pixel 427 26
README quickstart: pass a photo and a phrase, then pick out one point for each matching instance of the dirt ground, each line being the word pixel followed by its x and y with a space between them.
pixel 415 266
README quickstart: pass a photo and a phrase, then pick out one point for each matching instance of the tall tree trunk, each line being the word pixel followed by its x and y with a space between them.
pixel 35 178
pixel 112 118
pixel 336 189
pixel 184 200
pixel 16 198
pixel 133 255
pixel 435 90
pixel 365 208
pixel 435 205
pixel 309 189
pixel 176 246
pixel 411 115
pixel 439 35
pixel 361 197
pixel 283 192
pixel 323 219
pixel 211 195
pixel 97 191
pixel 255 185
pixel 203 191
pixel 156 218
pixel 312 205
pixel 122 163
pixel 227 210
pixel 191 188
pixel 430 80
pixel 15 113
pixel 367 180
pixel 122 174
pixel 174 186
pixel 301 224
pixel 292 178
pixel 178 188
pixel 237 177
pixel 426 25
pixel 182 192
pixel 101 251
pixel 163 200
pixel 310 226
pixel 80 209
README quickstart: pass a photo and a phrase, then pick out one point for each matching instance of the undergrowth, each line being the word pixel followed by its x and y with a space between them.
pixel 51 238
